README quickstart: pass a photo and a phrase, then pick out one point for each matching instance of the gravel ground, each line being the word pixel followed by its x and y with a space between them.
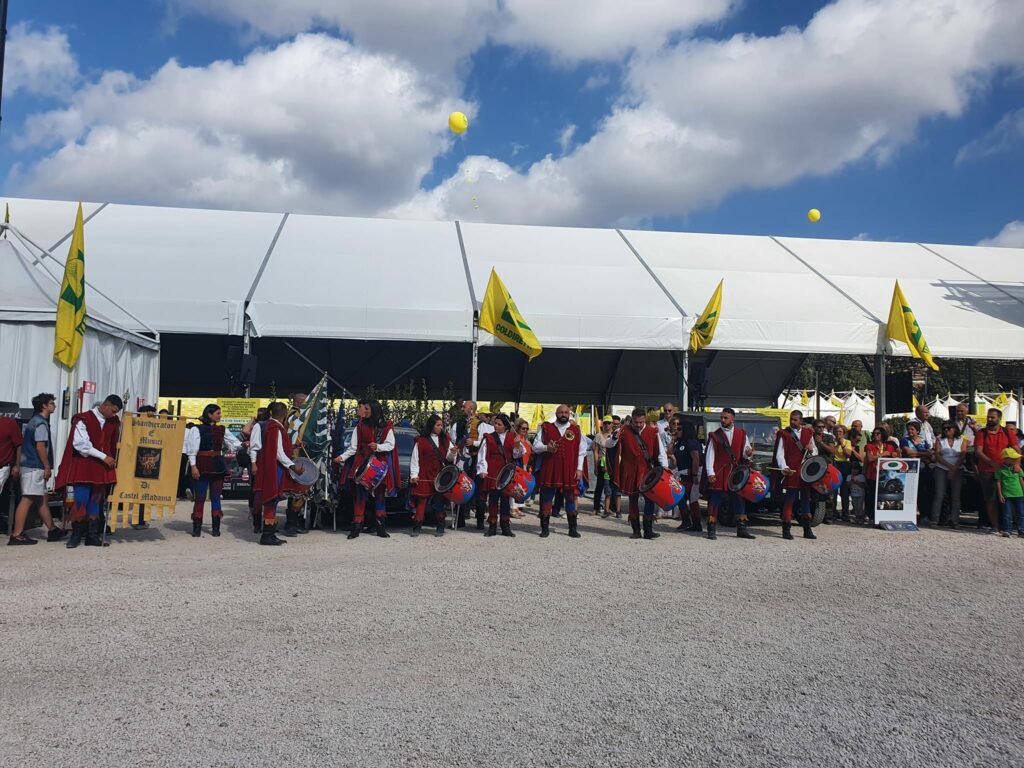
pixel 860 648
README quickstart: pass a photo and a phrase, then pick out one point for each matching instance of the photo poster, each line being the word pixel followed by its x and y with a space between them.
pixel 148 463
pixel 896 490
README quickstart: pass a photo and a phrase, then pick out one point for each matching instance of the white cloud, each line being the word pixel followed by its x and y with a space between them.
pixel 1007 132
pixel 436 35
pixel 1011 236
pixel 565 137
pixel 704 118
pixel 861 236
pixel 313 125
pixel 602 29
pixel 39 62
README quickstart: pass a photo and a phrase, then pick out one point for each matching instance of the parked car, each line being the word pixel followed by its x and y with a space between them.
pixel 761 430
pixel 405 438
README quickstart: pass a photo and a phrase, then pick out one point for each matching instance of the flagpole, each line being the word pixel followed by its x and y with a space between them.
pixel 476 354
pixel 685 399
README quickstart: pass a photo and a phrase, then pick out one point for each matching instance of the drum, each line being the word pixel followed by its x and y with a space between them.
pixel 749 484
pixel 516 482
pixel 829 483
pixel 454 484
pixel 371 472
pixel 813 469
pixel 304 472
pixel 661 486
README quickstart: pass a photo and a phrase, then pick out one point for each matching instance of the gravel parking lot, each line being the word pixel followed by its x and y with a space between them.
pixel 860 648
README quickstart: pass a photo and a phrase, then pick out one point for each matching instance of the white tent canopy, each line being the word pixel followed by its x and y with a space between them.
pixel 117 360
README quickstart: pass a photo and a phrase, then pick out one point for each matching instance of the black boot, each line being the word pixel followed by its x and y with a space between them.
pixel 506 529
pixel 742 532
pixel 479 520
pixel 257 522
pixel 56 534
pixel 711 530
pixel 574 531
pixel 492 530
pixel 300 520
pixel 269 537
pixel 92 533
pixel 380 529
pixel 216 526
pixel 545 526
pixel 460 517
pixel 197 528
pixel 77 532
pixel 635 524
pixel 695 526
pixel 683 525
pixel 439 531
pixel 649 532
pixel 290 524
pixel 355 529
pixel 416 527
pixel 808 533
pixel 785 531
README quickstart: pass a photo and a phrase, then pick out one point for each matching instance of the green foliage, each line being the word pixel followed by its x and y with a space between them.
pixel 403 403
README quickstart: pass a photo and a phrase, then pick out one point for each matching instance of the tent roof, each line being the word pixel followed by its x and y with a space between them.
pixel 192 271
pixel 28 294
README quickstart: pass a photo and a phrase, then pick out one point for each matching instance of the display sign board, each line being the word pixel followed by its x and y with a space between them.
pixel 896 490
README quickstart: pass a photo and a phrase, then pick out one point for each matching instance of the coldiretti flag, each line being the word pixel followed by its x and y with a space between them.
pixel 500 316
pixel 704 330
pixel 70 329
pixel 903 327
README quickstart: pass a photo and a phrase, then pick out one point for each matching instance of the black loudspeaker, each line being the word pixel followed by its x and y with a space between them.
pixel 899 392
pixel 247 370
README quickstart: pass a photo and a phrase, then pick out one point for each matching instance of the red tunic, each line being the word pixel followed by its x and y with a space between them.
pixel 632 465
pixel 268 485
pixel 496 460
pixel 430 463
pixel 365 434
pixel 794 452
pixel 76 469
pixel 558 470
pixel 723 462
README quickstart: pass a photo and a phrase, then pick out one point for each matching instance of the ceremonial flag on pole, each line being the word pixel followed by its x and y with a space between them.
pixel 704 330
pixel 70 329
pixel 903 327
pixel 499 316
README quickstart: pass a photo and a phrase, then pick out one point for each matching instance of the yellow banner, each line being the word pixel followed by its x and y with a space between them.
pixel 69 330
pixel 148 462
pixel 500 316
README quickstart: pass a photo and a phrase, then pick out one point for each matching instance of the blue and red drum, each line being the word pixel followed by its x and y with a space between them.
pixel 454 484
pixel 516 482
pixel 662 487
pixel 748 484
pixel 371 473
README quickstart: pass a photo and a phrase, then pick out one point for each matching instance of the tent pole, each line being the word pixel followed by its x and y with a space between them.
pixel 476 354
pixel 246 350
pixel 971 394
pixel 879 388
pixel 817 397
pixel 684 404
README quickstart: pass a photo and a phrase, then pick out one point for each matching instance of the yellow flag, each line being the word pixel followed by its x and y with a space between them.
pixel 903 327
pixel 70 329
pixel 500 316
pixel 703 331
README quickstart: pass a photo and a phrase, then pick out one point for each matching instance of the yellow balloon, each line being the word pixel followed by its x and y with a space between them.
pixel 814 214
pixel 458 122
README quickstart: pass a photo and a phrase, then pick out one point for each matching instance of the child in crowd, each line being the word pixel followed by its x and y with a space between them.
pixel 857 488
pixel 1011 493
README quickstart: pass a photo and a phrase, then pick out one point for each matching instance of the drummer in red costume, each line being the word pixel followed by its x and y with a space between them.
pixel 431 451
pixel 727 447
pixel 373 436
pixel 792 446
pixel 272 464
pixel 88 466
pixel 640 449
pixel 562 453
pixel 501 446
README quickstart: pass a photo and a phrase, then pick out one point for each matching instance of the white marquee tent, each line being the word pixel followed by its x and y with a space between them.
pixel 612 308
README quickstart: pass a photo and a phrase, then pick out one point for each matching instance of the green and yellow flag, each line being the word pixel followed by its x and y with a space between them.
pixel 70 329
pixel 500 316
pixel 903 327
pixel 704 330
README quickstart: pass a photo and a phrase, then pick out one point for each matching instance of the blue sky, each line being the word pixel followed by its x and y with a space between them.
pixel 899 119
